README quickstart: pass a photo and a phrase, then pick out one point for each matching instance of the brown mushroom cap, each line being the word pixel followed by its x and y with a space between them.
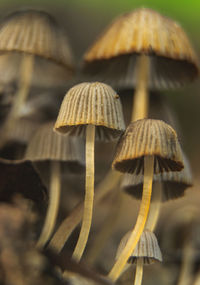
pixel 148 137
pixel 91 104
pixel 112 58
pixel 35 32
pixel 47 145
pixel 147 248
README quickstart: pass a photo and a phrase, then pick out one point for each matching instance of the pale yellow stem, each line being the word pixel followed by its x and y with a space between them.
pixel 139 272
pixel 26 70
pixel 89 194
pixel 107 229
pixel 140 102
pixel 52 211
pixel 140 222
pixel 70 223
pixel 186 276
pixel 155 206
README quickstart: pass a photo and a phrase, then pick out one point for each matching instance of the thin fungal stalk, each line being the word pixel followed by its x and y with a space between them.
pixel 140 222
pixel 89 194
pixel 52 211
pixel 140 102
pixel 71 222
pixel 139 272
pixel 155 207
pixel 20 97
pixel 107 229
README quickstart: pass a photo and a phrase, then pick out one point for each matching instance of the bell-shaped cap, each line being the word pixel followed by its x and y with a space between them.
pixel 91 104
pixel 113 56
pixel 147 248
pixel 148 137
pixel 35 32
pixel 173 183
pixel 47 145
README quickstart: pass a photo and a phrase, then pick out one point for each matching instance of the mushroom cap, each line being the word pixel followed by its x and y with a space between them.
pixel 35 32
pixel 47 145
pixel 148 137
pixel 91 104
pixel 113 56
pixel 147 248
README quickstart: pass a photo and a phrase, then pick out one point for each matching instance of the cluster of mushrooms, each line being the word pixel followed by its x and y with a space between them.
pixel 140 50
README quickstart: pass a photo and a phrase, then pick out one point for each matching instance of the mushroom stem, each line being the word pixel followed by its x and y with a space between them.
pixel 139 272
pixel 140 101
pixel 155 206
pixel 140 222
pixel 52 211
pixel 107 228
pixel 70 222
pixel 26 70
pixel 185 276
pixel 89 194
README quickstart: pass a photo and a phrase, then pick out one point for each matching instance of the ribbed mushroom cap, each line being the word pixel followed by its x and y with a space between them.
pixel 37 33
pixel 174 183
pixel 47 145
pixel 143 31
pixel 148 137
pixel 91 104
pixel 147 248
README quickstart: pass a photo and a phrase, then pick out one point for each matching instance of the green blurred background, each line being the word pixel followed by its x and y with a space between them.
pixel 85 19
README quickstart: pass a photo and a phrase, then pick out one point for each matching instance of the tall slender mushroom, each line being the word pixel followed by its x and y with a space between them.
pixel 32 34
pixel 94 110
pixel 48 146
pixel 149 146
pixel 147 251
pixel 142 49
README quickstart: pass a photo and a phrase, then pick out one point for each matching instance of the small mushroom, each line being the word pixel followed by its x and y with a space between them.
pixel 31 34
pixel 148 146
pixel 90 108
pixel 48 146
pixel 142 49
pixel 147 252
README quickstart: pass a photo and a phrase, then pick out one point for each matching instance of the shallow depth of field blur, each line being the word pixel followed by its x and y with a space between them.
pixel 83 21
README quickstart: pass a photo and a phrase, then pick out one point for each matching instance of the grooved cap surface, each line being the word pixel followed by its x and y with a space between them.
pixel 147 248
pixel 142 31
pixel 37 33
pixel 47 145
pixel 172 59
pixel 148 137
pixel 91 103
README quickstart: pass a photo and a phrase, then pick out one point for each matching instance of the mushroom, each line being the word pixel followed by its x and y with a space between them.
pixel 31 34
pixel 147 252
pixel 48 146
pixel 148 146
pixel 92 110
pixel 142 49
